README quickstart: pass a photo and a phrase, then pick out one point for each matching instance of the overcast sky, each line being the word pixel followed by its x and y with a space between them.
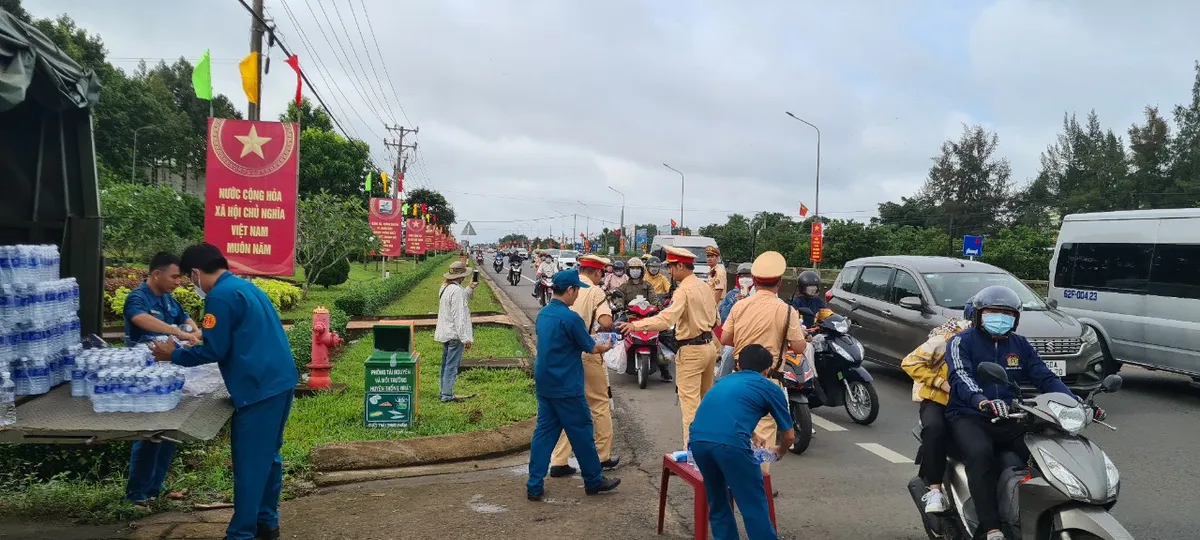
pixel 527 106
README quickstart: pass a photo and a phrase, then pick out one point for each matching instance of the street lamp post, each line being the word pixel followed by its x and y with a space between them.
pixel 682 181
pixel 621 236
pixel 133 167
pixel 817 202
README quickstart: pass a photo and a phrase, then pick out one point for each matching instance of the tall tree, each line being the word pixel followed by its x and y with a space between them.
pixel 968 185
pixel 1150 161
pixel 1185 149
pixel 331 163
pixel 308 115
pixel 14 7
pixel 435 201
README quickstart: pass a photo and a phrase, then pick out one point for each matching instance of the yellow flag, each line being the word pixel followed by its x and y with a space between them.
pixel 249 69
pixel 383 176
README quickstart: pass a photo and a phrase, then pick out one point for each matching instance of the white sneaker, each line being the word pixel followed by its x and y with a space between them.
pixel 936 504
pixel 995 535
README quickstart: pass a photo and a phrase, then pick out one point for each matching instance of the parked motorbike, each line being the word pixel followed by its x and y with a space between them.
pixel 1064 491
pixel 841 378
pixel 514 272
pixel 641 347
pixel 547 290
pixel 498 264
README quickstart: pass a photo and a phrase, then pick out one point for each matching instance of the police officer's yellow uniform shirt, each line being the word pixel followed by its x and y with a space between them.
pixel 717 280
pixel 762 319
pixel 591 304
pixel 693 311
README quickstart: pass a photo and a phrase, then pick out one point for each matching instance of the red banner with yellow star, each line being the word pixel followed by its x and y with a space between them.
pixel 250 194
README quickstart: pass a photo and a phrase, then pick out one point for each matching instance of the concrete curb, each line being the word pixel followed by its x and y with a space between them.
pixel 351 456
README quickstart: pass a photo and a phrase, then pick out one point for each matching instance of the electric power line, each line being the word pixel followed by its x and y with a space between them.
pixel 379 53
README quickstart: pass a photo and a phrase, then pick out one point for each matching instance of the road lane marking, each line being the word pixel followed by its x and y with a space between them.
pixel 826 424
pixel 885 453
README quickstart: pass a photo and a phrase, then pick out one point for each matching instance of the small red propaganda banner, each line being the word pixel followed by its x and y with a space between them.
pixel 414 236
pixel 386 221
pixel 250 194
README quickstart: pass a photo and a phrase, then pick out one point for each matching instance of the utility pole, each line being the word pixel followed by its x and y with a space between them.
pixel 401 159
pixel 256 39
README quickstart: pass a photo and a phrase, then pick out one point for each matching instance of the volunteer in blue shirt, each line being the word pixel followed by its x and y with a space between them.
pixel 562 338
pixel 992 338
pixel 243 336
pixel 150 311
pixel 720 442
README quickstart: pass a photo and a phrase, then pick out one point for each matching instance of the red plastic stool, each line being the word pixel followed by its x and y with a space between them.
pixel 691 475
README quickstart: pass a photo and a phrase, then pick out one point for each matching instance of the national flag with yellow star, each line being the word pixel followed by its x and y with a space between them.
pixel 250 194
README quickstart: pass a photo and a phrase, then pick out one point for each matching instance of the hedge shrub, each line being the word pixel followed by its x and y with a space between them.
pixel 369 299
pixel 284 295
pixel 336 274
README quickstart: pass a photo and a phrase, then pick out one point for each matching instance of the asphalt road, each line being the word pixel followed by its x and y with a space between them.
pixel 851 481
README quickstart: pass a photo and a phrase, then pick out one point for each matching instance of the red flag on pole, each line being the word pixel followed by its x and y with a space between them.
pixel 803 210
pixel 294 61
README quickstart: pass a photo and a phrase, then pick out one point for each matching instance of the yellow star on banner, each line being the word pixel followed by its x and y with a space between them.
pixel 252 142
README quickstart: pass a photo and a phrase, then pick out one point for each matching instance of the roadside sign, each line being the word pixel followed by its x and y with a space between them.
pixel 817 242
pixel 972 246
pixel 468 230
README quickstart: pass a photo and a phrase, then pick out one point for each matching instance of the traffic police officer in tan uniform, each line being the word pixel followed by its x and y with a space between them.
pixel 693 311
pixel 764 319
pixel 716 274
pixel 592 306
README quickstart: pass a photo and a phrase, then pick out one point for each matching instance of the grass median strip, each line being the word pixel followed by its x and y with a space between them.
pixel 322 296
pixel 422 299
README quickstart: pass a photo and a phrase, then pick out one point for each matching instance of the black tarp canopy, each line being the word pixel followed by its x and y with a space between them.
pixel 48 188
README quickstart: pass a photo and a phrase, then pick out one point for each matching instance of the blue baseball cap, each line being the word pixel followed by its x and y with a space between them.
pixel 567 278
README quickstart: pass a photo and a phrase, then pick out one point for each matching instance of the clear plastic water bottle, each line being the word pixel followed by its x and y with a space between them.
pixel 39 376
pixel 8 400
pixel 5 265
pixel 764 455
pixel 20 375
pixel 54 365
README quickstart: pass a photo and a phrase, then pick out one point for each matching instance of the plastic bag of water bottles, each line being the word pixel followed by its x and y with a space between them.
pixel 765 455
pixel 203 380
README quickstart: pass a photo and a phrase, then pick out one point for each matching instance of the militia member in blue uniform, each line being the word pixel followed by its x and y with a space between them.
pixel 243 336
pixel 562 338
pixel 151 311
pixel 720 444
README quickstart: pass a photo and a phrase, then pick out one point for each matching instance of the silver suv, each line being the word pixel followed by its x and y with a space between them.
pixel 893 302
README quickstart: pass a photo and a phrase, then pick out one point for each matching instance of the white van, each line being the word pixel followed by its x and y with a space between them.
pixel 694 244
pixel 1135 277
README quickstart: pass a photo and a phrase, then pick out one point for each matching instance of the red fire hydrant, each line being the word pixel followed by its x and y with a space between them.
pixel 323 339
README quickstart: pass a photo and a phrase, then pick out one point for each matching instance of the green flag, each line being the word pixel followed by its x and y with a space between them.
pixel 202 77
pixel 368 182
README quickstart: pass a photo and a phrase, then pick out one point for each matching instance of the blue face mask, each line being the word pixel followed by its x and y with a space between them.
pixel 998 323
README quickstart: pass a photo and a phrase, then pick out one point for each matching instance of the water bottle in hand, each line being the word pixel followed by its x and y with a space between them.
pixel 764 455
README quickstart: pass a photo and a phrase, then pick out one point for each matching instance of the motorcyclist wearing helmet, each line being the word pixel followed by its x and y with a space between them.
pixel 614 280
pixel 637 286
pixel 545 268
pixel 807 296
pixel 654 276
pixel 931 388
pixel 743 287
pixel 972 405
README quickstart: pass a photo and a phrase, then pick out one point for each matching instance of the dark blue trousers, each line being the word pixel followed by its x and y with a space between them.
pixel 148 466
pixel 729 469
pixel 554 416
pixel 256 435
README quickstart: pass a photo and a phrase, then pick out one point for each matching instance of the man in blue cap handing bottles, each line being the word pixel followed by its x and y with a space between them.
pixel 559 385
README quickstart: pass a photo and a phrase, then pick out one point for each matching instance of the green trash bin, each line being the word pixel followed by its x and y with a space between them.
pixel 392 375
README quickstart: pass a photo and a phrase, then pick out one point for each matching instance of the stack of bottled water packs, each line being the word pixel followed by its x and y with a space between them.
pixel 126 380
pixel 40 344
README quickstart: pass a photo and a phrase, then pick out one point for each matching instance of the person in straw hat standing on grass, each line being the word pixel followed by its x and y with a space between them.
pixel 454 325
